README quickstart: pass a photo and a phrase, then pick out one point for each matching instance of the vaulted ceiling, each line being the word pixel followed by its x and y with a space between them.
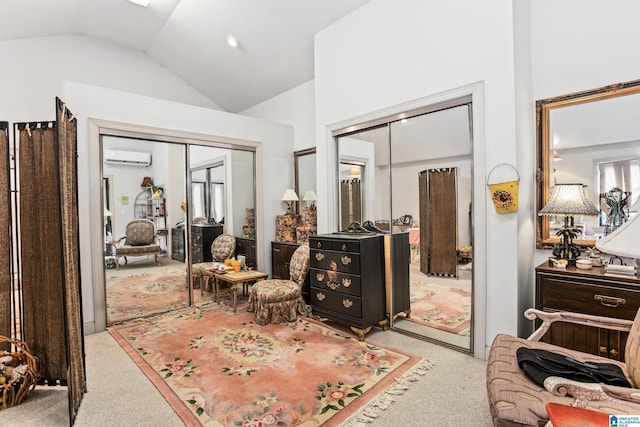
pixel 275 38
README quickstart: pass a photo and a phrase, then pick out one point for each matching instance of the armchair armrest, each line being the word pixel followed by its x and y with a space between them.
pixel 576 318
pixel 589 392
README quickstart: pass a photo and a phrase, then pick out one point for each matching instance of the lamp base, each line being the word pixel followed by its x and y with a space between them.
pixel 570 252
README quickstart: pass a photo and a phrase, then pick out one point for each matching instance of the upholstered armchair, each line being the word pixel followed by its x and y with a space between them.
pixel 223 247
pixel 515 400
pixel 140 240
pixel 277 300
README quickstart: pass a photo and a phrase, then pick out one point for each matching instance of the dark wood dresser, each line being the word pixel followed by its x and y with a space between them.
pixel 177 244
pixel 347 280
pixel 281 253
pixel 590 292
pixel 247 247
pixel 202 236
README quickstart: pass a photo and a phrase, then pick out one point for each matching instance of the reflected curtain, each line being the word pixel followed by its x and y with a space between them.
pixel 350 202
pixel 438 209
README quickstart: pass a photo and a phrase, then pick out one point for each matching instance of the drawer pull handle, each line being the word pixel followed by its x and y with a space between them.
pixel 319 256
pixel 320 296
pixel 333 286
pixel 319 244
pixel 346 260
pixel 346 282
pixel 614 353
pixel 320 277
pixel 347 303
pixel 344 247
pixel 609 301
pixel 603 350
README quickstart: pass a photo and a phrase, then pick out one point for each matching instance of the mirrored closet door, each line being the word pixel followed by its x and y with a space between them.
pixel 164 204
pixel 411 179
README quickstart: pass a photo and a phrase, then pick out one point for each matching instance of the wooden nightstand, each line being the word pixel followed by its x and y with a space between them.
pixel 590 292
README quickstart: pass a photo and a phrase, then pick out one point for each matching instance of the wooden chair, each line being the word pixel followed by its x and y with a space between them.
pixel 515 400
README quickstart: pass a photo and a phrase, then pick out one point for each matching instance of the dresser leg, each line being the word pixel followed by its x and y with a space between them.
pixel 361 332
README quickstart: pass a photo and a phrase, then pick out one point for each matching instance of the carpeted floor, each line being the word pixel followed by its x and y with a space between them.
pixel 441 306
pixel 217 367
pixel 451 393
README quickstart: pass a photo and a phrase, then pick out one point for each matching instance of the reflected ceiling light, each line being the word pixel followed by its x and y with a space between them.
pixel 403 121
pixel 354 172
pixel 143 3
pixel 232 40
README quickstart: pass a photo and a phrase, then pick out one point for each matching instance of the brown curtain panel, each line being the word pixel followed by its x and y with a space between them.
pixel 344 204
pixel 5 248
pixel 438 210
pixel 41 251
pixel 356 200
pixel 68 169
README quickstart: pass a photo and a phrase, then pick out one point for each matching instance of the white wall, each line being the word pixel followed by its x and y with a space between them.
pixel 151 115
pixel 34 71
pixel 295 107
pixel 413 49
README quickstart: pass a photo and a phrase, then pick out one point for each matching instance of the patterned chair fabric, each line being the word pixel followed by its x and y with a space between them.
pixel 277 300
pixel 140 240
pixel 515 400
pixel 223 247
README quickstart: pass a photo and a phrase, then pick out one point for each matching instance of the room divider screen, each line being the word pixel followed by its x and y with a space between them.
pixel 40 301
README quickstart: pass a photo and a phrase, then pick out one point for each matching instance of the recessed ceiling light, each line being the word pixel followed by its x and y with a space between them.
pixel 143 3
pixel 232 40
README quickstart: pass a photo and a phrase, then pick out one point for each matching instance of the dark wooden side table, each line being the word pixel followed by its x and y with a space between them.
pixel 590 292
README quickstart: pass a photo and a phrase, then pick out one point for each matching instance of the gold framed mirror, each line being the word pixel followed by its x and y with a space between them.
pixel 595 126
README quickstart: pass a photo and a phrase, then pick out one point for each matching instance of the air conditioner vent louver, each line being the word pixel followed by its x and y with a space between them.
pixel 127 158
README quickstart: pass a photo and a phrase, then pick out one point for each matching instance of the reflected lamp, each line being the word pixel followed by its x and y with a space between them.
pixel 289 197
pixel 568 200
pixel 623 242
pixel 310 196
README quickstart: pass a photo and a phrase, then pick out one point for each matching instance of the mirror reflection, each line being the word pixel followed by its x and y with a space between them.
pixel 411 180
pixel 590 138
pixel 148 254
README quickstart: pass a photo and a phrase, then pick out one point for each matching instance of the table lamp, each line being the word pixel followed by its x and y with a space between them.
pixel 568 200
pixel 290 196
pixel 310 196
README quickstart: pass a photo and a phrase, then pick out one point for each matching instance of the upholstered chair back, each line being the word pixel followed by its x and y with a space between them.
pixel 140 232
pixel 632 352
pixel 299 264
pixel 199 220
pixel 223 247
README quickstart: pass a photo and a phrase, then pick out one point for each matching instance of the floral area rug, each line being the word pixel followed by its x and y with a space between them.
pixel 219 368
pixel 140 295
pixel 441 306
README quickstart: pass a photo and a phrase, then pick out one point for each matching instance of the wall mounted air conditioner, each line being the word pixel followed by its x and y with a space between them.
pixel 128 158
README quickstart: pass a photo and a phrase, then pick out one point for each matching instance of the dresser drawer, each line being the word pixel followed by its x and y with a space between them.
pixel 347 262
pixel 331 280
pixel 347 305
pixel 560 294
pixel 336 245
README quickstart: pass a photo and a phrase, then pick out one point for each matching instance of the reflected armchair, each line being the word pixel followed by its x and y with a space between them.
pixel 515 400
pixel 223 247
pixel 140 240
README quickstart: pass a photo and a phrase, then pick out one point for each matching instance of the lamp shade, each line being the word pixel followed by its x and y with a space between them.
pixel 569 199
pixel 354 172
pixel 290 195
pixel 309 196
pixel 623 241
